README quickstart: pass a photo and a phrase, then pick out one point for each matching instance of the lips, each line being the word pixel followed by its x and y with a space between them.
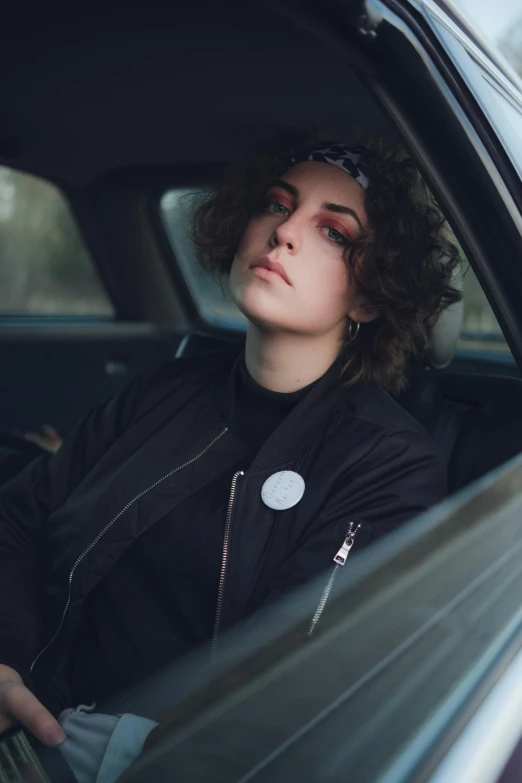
pixel 272 266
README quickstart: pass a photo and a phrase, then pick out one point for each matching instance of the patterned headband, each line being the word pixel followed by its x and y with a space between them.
pixel 345 158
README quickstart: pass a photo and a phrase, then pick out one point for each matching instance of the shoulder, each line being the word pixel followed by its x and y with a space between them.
pixel 389 452
pixel 178 379
pixel 374 405
pixel 383 430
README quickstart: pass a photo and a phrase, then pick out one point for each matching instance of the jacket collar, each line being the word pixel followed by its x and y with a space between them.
pixel 301 422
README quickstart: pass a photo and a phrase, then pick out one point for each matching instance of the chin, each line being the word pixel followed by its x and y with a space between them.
pixel 262 310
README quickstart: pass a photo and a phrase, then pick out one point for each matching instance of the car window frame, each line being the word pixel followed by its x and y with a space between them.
pixel 478 65
pixel 475 148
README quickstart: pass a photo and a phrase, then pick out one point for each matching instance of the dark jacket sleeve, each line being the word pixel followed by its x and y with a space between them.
pixel 15 455
pixel 400 478
pixel 28 499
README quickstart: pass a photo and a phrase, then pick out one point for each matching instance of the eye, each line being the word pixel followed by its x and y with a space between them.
pixel 336 236
pixel 277 208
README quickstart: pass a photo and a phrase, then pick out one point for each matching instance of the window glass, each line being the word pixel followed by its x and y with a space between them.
pixel 502 105
pixel 45 268
pixel 510 41
pixel 498 98
pixel 481 333
pixel 209 295
pixel 499 23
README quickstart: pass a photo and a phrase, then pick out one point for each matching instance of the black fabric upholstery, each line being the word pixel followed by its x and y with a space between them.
pixel 477 419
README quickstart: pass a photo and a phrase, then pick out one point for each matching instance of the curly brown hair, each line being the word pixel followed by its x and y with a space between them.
pixel 403 264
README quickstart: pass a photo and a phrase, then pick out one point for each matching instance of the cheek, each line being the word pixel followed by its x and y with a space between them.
pixel 235 279
pixel 252 238
pixel 252 245
pixel 330 290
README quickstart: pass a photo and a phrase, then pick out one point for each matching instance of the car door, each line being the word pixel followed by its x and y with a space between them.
pixel 63 344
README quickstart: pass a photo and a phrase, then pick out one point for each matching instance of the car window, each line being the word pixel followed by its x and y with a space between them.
pixel 509 41
pixel 481 334
pixel 499 97
pixel 209 295
pixel 500 24
pixel 45 267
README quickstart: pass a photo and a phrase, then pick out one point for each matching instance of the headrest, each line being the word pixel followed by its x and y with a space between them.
pixel 446 331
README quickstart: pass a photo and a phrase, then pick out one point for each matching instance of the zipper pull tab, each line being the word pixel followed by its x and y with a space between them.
pixel 342 555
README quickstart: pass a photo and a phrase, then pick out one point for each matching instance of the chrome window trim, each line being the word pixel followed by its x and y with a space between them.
pixel 508 84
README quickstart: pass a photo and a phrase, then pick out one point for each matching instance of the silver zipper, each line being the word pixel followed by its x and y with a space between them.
pixel 107 527
pixel 224 563
pixel 340 559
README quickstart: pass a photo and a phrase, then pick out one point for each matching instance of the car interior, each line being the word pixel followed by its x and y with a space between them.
pixel 115 111
pixel 111 110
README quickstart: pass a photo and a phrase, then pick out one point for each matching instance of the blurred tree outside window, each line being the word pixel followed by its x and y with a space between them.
pixel 45 268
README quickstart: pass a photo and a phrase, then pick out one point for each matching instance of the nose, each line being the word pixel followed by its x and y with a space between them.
pixel 288 234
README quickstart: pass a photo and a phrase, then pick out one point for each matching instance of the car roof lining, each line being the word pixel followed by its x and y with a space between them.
pixel 81 97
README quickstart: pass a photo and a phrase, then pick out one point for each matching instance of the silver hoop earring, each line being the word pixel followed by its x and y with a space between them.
pixel 353 334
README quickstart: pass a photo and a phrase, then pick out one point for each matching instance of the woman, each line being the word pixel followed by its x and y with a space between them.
pixel 214 485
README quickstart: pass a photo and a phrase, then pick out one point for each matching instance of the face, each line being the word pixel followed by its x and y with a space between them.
pixel 289 273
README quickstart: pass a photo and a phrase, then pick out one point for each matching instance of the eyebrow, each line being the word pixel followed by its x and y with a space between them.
pixel 338 208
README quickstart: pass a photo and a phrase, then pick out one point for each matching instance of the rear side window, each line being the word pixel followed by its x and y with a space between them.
pixel 209 295
pixel 45 267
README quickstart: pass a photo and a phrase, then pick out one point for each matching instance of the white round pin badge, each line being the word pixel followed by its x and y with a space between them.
pixel 283 490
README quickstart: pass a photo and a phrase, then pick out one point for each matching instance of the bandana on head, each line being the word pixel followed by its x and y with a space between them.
pixel 345 158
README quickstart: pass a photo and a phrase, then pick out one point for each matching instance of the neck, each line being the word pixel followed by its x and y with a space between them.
pixel 288 362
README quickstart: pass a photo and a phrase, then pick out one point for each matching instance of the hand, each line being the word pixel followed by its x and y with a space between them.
pixel 19 705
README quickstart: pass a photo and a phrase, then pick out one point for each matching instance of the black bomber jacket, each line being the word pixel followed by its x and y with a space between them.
pixel 66 519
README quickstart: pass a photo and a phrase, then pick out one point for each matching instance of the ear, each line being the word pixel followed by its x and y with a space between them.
pixel 363 313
